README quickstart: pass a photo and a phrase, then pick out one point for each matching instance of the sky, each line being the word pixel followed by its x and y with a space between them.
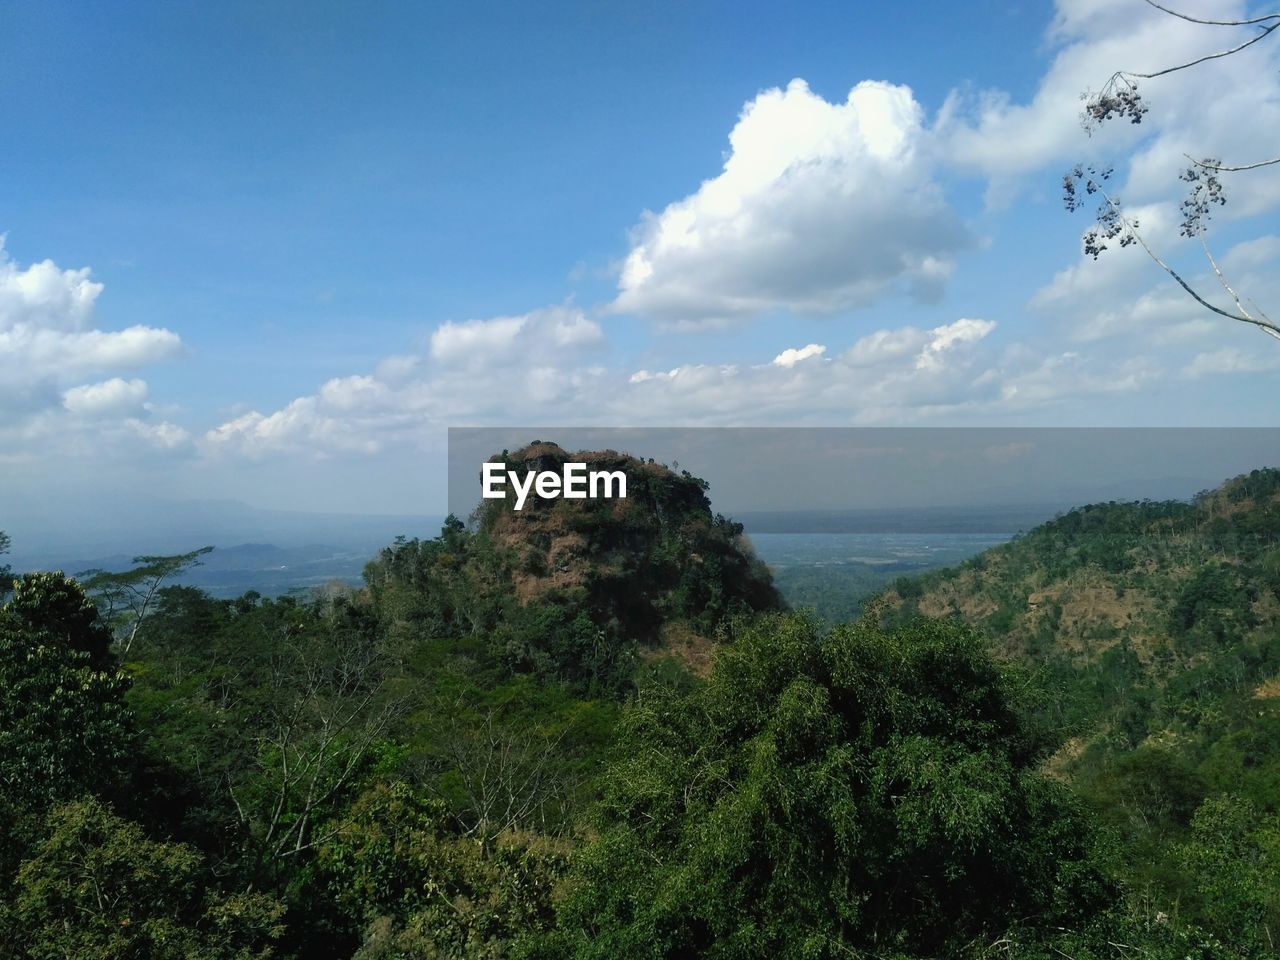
pixel 271 252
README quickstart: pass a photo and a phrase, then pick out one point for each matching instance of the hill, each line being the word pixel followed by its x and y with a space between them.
pixel 486 753
pixel 1151 634
pixel 577 590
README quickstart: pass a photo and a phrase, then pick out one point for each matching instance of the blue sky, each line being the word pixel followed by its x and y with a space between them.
pixel 271 251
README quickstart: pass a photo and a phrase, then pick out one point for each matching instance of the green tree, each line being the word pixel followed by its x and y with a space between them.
pixel 417 889
pixel 64 726
pixel 127 597
pixel 97 888
pixel 6 573
pixel 263 715
pixel 1234 859
pixel 824 796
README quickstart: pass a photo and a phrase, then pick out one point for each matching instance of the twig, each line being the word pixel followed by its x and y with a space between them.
pixel 1264 325
pixel 1221 168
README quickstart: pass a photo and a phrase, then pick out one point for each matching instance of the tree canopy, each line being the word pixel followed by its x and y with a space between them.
pixel 830 795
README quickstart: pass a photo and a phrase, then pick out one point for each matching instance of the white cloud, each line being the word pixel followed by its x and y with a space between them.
pixel 514 339
pixel 1234 360
pixel 472 369
pixel 951 373
pixel 49 348
pixel 112 397
pixel 791 356
pixel 945 338
pixel 1216 109
pixel 43 295
pixel 46 337
pixel 820 207
pixel 885 346
pixel 1070 374
pixel 162 435
pixel 479 339
pixel 315 424
pixel 1124 294
pixel 916 374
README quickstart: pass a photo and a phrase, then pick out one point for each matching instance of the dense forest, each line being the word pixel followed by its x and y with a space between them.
pixel 593 729
pixel 1151 634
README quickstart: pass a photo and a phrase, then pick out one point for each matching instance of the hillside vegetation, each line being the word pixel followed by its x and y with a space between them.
pixel 579 590
pixel 588 730
pixel 1152 633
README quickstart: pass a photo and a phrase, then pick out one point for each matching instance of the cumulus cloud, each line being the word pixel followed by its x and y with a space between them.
pixel 42 295
pixel 471 369
pixel 109 398
pixel 898 375
pixel 1072 374
pixel 820 207
pixel 1216 109
pixel 791 356
pixel 46 334
pixel 949 373
pixel 49 348
pixel 161 435
pixel 917 374
pixel 1123 294
pixel 885 346
pixel 944 339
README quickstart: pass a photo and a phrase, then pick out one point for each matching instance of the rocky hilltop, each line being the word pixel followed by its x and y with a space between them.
pixel 580 587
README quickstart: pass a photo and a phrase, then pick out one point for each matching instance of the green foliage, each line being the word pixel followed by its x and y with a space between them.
pixel 266 714
pixel 55 606
pixel 418 889
pixel 1233 857
pixel 97 888
pixel 575 591
pixel 518 755
pixel 1153 630
pixel 1121 934
pixel 64 726
pixel 125 598
pixel 509 745
pixel 235 696
pixel 6 574
pixel 828 795
pixel 1215 604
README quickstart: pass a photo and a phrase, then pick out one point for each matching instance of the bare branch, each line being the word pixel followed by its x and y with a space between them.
pixel 1120 98
pixel 1272 19
pixel 1217 167
pixel 328 708
pixel 507 773
pixel 1265 18
pixel 1132 230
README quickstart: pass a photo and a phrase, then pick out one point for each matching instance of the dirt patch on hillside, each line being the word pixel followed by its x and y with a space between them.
pixel 1058 765
pixel 681 641
pixel 960 596
pixel 1267 690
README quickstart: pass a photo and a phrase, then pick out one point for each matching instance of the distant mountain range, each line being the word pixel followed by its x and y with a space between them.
pixel 174 526
pixel 269 569
pixel 271 551
pixel 275 551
